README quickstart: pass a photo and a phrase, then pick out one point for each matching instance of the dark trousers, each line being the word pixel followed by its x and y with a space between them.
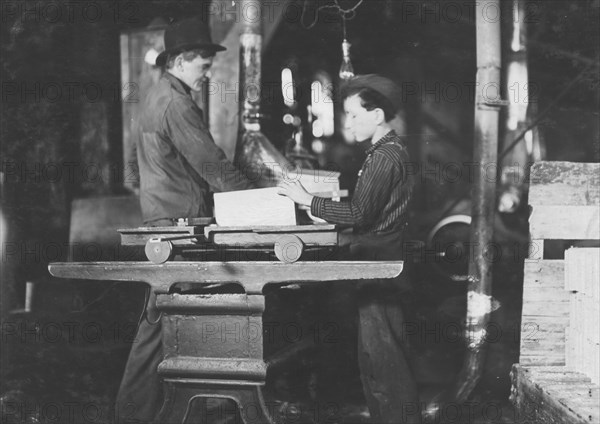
pixel 140 393
pixel 385 372
pixel 383 354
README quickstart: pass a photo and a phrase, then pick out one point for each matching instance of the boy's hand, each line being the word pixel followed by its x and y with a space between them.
pixel 295 191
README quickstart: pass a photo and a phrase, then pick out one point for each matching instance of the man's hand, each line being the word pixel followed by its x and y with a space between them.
pixel 295 191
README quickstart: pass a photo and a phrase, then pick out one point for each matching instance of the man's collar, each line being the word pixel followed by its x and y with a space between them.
pixel 177 84
pixel 383 140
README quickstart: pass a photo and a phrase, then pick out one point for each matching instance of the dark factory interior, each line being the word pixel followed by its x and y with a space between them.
pixel 74 75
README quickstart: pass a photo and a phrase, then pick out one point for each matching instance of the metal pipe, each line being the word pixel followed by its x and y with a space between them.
pixel 479 304
pixel 250 64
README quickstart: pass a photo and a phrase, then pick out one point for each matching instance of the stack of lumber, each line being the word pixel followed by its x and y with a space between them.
pixel 557 377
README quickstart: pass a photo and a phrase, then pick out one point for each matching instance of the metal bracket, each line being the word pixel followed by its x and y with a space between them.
pixel 496 104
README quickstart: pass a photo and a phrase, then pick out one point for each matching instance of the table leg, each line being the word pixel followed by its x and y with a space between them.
pixel 213 348
pixel 183 402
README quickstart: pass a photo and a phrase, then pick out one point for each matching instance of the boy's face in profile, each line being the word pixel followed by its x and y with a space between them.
pixel 360 122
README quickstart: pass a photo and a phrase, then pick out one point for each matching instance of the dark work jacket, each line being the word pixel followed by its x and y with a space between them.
pixel 179 162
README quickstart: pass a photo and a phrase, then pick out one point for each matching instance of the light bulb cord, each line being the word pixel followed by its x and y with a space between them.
pixel 346 14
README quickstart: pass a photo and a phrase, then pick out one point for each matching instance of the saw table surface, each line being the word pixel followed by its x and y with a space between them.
pixel 253 276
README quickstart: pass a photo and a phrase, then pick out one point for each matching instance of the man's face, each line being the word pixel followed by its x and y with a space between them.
pixel 194 71
pixel 360 122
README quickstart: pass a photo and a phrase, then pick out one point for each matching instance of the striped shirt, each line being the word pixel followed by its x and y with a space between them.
pixel 382 193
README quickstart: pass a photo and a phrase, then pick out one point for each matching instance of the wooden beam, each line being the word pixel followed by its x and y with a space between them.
pixel 564 183
pixel 565 222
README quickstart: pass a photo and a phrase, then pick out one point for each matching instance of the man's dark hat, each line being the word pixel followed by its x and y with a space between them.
pixel 187 34
pixel 384 86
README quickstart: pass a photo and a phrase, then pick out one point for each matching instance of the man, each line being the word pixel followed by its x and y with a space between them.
pixel 180 165
pixel 378 211
pixel 179 161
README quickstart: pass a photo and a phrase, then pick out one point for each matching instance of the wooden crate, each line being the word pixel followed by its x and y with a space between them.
pixel 560 316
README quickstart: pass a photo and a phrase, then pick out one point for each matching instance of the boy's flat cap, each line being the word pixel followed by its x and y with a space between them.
pixel 384 86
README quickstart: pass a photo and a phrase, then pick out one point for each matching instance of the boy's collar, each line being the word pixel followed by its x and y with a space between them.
pixel 383 140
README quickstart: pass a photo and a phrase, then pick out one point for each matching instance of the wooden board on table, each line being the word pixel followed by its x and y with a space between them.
pixel 259 207
pixel 311 235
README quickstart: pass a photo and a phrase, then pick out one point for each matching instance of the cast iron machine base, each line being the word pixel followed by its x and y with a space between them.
pixel 213 343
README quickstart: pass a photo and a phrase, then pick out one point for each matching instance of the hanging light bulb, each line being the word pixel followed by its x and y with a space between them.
pixel 346 70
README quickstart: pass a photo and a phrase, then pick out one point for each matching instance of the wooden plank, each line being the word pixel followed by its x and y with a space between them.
pixel 582 269
pixel 564 194
pixel 311 235
pixel 541 311
pixel 564 183
pixel 248 239
pixel 546 294
pixel 542 359
pixel 565 222
pixel 530 359
pixel 544 273
pixel 582 277
pixel 555 374
pixel 254 208
pixel 583 390
pixel 535 403
pixel 545 313
pixel 269 229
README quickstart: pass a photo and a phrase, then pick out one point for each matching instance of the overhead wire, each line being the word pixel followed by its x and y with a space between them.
pixel 346 14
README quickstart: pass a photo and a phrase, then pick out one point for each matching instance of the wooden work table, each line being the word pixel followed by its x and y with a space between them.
pixel 202 357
